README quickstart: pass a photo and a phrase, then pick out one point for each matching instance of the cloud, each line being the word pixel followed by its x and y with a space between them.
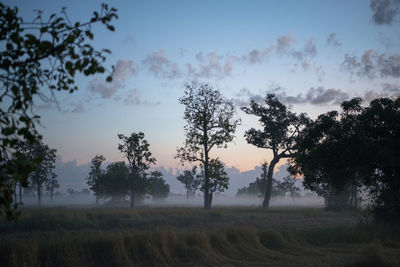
pixel 388 90
pixel 384 11
pixel 332 40
pixel 123 70
pixel 160 66
pixel 132 97
pixel 211 65
pixel 371 64
pixel 78 108
pixel 314 96
pixel 284 43
pixel 100 87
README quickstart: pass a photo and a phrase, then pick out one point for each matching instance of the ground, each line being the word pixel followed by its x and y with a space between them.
pixel 234 236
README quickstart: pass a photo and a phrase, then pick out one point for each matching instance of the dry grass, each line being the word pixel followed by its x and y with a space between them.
pixel 194 237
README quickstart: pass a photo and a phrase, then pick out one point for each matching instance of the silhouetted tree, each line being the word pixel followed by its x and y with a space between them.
pixel 115 182
pixel 38 55
pixel 280 129
pixel 330 153
pixel 218 178
pixel 190 181
pixel 94 176
pixel 157 186
pixel 44 171
pixel 211 123
pixel 136 150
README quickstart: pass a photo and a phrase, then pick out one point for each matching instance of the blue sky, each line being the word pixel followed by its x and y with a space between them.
pixel 312 54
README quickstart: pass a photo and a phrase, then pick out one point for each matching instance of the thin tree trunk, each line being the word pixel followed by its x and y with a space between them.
pixel 97 200
pixel 268 190
pixel 207 204
pixel 187 194
pixel 39 192
pixel 20 193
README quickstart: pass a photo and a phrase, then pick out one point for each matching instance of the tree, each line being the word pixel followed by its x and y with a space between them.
pixel 190 181
pixel 330 153
pixel 43 53
pixel 211 123
pixel 157 186
pixel 52 184
pixel 43 175
pixel 93 179
pixel 218 178
pixel 115 182
pixel 289 186
pixel 136 150
pixel 280 130
pixel 380 125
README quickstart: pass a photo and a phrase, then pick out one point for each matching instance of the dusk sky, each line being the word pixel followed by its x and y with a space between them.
pixel 312 54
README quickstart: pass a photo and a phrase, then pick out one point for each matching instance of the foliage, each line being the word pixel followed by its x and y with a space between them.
pixel 211 123
pixel 280 130
pixel 115 181
pixel 43 177
pixel 136 150
pixel 219 180
pixel 157 186
pixel 190 181
pixel 358 147
pixel 43 53
pixel 93 179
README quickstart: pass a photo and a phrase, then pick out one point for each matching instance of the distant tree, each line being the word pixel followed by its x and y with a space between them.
pixel 136 150
pixel 71 191
pixel 218 179
pixel 289 185
pixel 115 182
pixel 280 129
pixel 93 179
pixel 85 191
pixel 38 55
pixel 190 181
pixel 52 184
pixel 44 171
pixel 157 186
pixel 211 123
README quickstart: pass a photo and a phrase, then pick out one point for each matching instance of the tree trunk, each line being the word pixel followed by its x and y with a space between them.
pixel 39 194
pixel 207 203
pixel 97 200
pixel 20 193
pixel 187 194
pixel 268 190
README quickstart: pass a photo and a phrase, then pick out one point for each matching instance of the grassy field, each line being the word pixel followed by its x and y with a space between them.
pixel 195 237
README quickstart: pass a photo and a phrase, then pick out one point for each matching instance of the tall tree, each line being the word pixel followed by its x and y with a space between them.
pixel 93 179
pixel 280 129
pixel 190 181
pixel 136 150
pixel 45 53
pixel 157 186
pixel 211 123
pixel 218 178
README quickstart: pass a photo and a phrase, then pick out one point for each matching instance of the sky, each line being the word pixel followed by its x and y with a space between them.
pixel 312 54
